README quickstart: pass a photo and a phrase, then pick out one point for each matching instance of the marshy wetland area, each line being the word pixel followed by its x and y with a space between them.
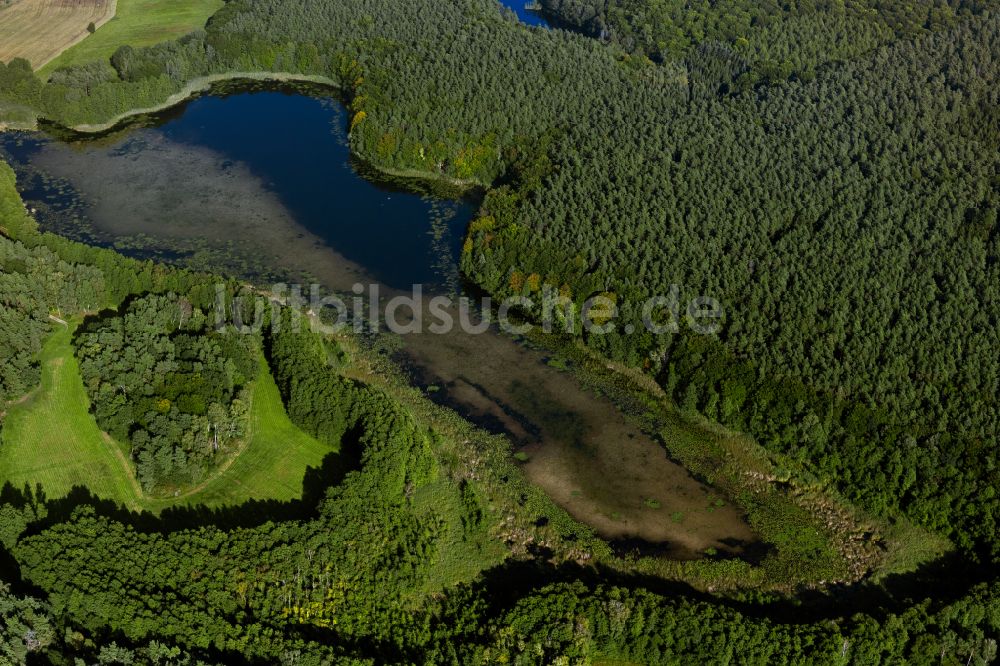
pixel 258 180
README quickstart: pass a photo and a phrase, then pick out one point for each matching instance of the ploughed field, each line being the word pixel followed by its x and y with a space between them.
pixel 39 30
pixel 137 23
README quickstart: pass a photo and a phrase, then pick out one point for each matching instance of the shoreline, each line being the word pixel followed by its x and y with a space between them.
pixel 200 85
pixel 416 174
pixel 204 83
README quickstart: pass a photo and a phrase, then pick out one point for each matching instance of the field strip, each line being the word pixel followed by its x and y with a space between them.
pixel 41 30
pixel 126 466
pixel 108 15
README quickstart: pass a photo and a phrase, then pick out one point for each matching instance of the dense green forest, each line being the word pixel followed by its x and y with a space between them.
pixel 34 285
pixel 860 297
pixel 373 572
pixel 28 629
pixel 766 41
pixel 559 623
pixel 826 170
pixel 161 380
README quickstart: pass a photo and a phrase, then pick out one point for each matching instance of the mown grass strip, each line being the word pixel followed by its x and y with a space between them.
pixel 50 439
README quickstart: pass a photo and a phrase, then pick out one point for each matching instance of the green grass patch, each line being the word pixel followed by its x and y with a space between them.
pixel 274 461
pixel 557 363
pixel 138 23
pixel 51 439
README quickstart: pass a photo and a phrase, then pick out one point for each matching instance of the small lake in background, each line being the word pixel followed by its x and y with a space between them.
pixel 528 16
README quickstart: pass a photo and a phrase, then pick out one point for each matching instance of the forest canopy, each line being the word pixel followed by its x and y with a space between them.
pixel 826 170
pixel 160 379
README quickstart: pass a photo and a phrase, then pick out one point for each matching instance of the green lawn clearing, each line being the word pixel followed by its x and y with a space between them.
pixel 51 439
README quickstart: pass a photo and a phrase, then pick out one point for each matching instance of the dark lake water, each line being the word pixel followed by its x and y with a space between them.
pixel 527 16
pixel 260 184
pixel 304 173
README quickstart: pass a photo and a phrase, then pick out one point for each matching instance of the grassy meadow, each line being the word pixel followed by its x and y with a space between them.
pixel 50 439
pixel 272 464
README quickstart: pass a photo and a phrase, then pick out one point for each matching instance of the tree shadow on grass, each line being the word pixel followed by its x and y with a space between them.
pixel 315 484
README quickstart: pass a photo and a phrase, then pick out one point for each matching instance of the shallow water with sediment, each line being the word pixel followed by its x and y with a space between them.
pixel 260 184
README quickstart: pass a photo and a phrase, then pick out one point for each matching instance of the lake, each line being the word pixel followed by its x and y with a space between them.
pixel 259 183
pixel 527 16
